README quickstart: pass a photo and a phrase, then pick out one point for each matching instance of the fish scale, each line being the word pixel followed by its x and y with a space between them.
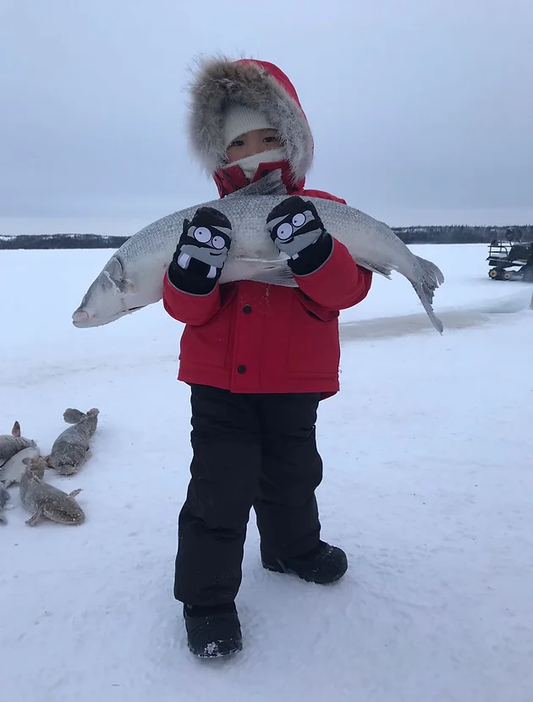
pixel 133 276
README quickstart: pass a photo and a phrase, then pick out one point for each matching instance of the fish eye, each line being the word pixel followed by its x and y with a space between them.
pixel 284 231
pixel 298 219
pixel 202 234
pixel 218 242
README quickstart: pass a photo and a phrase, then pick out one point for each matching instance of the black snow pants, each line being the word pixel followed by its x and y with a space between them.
pixel 248 451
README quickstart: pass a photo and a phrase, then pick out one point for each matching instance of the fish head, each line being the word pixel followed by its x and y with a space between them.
pixel 108 298
pixel 67 513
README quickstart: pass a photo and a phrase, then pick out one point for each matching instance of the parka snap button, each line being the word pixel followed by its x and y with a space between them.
pixel 241 369
pixel 246 309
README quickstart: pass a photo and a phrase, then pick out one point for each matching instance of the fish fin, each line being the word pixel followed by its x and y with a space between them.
pixel 3 519
pixel 382 269
pixel 73 416
pixel 271 184
pixel 430 279
pixel 432 276
pixel 75 492
pixel 277 274
pixel 32 521
pixel 35 466
pixel 16 429
pixel 426 296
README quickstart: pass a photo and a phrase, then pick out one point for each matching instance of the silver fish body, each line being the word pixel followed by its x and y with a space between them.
pixel 133 276
pixel 71 448
pixel 13 469
pixel 45 500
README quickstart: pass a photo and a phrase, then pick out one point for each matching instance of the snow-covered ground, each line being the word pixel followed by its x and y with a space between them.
pixel 428 483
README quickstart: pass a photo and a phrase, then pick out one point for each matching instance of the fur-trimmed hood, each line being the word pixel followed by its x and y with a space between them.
pixel 252 83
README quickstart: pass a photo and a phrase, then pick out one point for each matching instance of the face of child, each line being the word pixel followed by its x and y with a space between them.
pixel 251 143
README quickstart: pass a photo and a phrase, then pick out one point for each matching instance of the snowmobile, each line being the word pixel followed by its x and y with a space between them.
pixel 511 259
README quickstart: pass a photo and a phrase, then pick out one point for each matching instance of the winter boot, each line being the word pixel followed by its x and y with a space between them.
pixel 323 565
pixel 212 631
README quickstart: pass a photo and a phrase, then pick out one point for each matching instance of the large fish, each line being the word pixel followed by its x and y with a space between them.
pixel 71 448
pixel 133 276
pixel 47 501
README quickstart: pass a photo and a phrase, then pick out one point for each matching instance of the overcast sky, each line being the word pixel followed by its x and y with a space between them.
pixel 422 110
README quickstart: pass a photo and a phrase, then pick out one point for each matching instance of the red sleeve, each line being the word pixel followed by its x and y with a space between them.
pixel 338 284
pixel 324 195
pixel 188 308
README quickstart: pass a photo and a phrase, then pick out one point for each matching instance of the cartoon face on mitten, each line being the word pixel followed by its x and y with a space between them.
pixel 206 238
pixel 294 225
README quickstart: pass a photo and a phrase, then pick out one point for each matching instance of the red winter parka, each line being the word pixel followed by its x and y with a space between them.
pixel 249 337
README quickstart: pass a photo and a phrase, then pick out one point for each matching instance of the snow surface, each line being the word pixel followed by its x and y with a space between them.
pixel 428 482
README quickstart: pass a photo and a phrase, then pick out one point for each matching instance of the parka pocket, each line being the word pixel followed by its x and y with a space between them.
pixel 210 345
pixel 314 347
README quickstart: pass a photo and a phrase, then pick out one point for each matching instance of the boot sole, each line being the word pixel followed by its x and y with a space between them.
pixel 287 571
pixel 207 656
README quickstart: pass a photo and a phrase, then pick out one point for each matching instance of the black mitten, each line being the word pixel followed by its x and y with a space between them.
pixel 201 252
pixel 297 230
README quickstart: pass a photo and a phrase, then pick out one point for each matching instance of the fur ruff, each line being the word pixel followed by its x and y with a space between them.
pixel 221 82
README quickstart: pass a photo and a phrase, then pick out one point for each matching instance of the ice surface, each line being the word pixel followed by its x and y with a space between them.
pixel 428 483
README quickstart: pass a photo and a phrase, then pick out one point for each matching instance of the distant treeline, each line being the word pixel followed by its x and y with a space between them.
pixel 61 241
pixel 462 234
pixel 456 234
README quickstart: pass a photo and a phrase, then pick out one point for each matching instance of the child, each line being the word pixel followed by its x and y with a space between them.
pixel 258 357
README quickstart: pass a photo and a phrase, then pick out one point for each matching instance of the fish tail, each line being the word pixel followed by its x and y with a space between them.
pixel 426 297
pixel 73 416
pixel 431 278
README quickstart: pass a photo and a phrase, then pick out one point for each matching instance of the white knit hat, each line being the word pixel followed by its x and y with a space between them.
pixel 239 120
